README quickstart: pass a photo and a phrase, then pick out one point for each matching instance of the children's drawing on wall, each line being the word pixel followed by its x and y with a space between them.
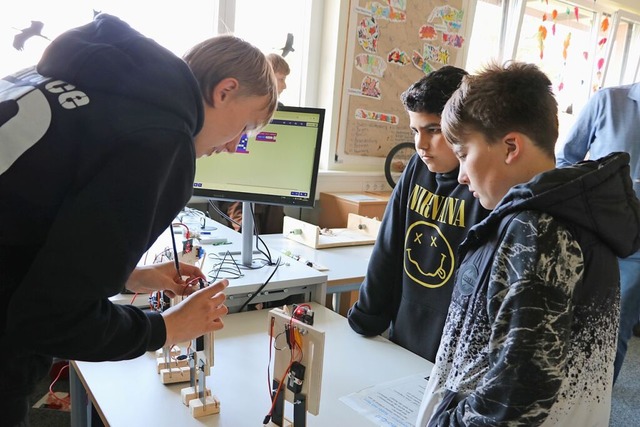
pixel 446 20
pixel 371 87
pixel 383 11
pixel 398 57
pixel 398 4
pixel 436 54
pixel 376 116
pixel 420 63
pixel 428 32
pixel 453 40
pixel 419 32
pixel 449 18
pixel 370 64
pixel 368 34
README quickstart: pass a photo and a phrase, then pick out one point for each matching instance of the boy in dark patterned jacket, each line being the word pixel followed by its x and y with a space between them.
pixel 531 332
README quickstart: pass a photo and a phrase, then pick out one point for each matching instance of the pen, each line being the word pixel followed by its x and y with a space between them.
pixel 175 256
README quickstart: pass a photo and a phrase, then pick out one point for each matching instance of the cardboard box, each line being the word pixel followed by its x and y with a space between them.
pixel 335 207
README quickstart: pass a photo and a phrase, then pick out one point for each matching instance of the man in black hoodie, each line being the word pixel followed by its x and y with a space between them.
pixel 98 145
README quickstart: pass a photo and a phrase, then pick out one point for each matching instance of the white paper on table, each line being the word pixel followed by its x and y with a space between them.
pixel 359 197
pixel 394 403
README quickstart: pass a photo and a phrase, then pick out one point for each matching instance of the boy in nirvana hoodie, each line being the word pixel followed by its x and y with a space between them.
pixel 531 332
pixel 410 274
pixel 98 145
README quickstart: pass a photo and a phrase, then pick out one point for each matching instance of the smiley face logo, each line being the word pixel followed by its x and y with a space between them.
pixel 429 258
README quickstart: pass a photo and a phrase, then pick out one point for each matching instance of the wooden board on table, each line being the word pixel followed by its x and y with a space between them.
pixel 360 231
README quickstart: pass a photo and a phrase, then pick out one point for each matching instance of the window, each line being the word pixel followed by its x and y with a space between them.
pixel 557 36
pixel 175 25
pixel 484 43
pixel 625 52
pixel 266 25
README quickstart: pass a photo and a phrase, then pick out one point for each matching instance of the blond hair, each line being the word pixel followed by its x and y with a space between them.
pixel 279 64
pixel 225 56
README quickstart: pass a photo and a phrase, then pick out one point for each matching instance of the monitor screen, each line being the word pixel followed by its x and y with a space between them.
pixel 276 165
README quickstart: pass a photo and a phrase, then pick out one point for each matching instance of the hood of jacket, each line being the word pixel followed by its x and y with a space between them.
pixel 596 195
pixel 110 56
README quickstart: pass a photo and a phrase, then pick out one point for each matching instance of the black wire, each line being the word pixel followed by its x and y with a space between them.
pixel 224 215
pixel 261 286
pixel 256 231
pixel 235 273
pixel 175 252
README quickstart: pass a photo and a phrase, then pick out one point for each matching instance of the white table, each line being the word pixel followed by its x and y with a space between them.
pixel 291 278
pixel 347 265
pixel 129 393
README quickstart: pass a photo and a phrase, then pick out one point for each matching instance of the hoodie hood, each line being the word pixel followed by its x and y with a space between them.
pixel 109 56
pixel 595 195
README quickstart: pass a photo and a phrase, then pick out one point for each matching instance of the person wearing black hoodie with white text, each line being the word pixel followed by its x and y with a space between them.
pixel 98 144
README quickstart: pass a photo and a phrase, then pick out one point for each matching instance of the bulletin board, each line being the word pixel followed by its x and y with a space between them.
pixel 390 45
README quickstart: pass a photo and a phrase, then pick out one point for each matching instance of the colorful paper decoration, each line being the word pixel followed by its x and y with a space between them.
pixel 542 35
pixel 567 42
pixel 368 34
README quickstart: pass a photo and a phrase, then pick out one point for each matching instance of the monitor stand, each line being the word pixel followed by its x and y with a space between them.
pixel 247 235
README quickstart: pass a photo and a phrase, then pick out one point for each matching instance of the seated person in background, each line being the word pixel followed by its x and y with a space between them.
pixel 531 332
pixel 410 275
pixel 268 218
pixel 281 70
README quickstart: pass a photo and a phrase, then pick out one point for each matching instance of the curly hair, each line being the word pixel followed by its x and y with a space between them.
pixel 431 93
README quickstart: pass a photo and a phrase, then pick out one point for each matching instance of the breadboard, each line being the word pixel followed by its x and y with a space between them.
pixel 360 231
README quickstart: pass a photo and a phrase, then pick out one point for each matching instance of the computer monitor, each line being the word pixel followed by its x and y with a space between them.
pixel 276 165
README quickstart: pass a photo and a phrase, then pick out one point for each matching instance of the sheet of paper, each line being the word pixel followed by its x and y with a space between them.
pixel 358 197
pixel 393 403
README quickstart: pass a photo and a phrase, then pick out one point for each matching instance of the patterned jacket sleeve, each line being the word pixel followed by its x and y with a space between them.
pixel 529 308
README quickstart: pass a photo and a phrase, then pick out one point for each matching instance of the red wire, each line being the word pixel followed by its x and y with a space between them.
pixel 67 399
pixel 275 398
pixel 293 342
pixel 189 283
pixel 188 232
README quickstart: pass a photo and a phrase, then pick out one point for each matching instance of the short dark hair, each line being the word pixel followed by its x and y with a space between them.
pixel 514 97
pixel 431 93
